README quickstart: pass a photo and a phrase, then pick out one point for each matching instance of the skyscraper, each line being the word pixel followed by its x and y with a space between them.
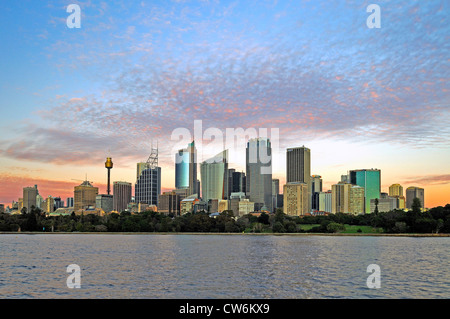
pixel 186 169
pixel 347 198
pixel 84 196
pixel 316 188
pixel 295 202
pixel 148 182
pixel 298 168
pixel 169 202
pixel 259 172
pixel 214 176
pixel 370 179
pixel 395 190
pixel 237 182
pixel 29 197
pixel 325 201
pixel 122 196
pixel 69 202
pixel 414 192
pixel 275 193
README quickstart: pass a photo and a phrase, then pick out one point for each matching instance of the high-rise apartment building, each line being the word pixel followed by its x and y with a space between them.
pixel 347 198
pixel 370 179
pixel 357 200
pixel 298 168
pixel 259 172
pixel 121 196
pixel 325 201
pixel 186 169
pixel 414 192
pixel 214 177
pixel 49 205
pixel 295 199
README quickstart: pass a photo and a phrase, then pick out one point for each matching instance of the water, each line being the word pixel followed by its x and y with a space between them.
pixel 222 266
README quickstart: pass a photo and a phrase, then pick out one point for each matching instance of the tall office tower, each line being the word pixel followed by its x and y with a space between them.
pixel 414 192
pixel 316 188
pixel 58 202
pixel 214 175
pixel 39 201
pixel 295 199
pixel 84 196
pixel 148 182
pixel 237 182
pixel 230 182
pixel 370 179
pixel 340 197
pixel 29 197
pixel 298 167
pixel 69 202
pixel 325 201
pixel 186 169
pixel 121 196
pixel 395 190
pixel 275 193
pixel 259 172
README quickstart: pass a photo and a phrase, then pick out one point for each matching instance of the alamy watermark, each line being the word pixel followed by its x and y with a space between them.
pixel 73 20
pixel 374 279
pixel 374 19
pixel 74 279
pixel 232 139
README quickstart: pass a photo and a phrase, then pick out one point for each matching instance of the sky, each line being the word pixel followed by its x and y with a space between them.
pixel 309 73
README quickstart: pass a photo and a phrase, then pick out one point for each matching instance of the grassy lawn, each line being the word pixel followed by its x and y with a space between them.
pixel 350 229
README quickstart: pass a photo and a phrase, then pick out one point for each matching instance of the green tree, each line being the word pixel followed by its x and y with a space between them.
pixel 376 206
pixel 278 227
pixel 263 219
pixel 335 227
pixel 416 205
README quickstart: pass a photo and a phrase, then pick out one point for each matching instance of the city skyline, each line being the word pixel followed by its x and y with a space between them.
pixel 135 71
pixel 350 179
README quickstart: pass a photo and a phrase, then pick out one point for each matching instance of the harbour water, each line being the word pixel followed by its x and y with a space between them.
pixel 132 266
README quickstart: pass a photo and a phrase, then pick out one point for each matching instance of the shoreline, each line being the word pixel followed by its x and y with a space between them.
pixel 231 234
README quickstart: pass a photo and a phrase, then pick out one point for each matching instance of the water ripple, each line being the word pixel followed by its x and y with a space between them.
pixel 218 266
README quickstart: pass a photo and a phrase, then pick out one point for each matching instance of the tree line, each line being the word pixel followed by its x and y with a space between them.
pixel 435 220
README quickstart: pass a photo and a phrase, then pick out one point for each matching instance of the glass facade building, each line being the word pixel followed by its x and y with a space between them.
pixel 148 186
pixel 259 172
pixel 214 175
pixel 370 179
pixel 186 169
pixel 182 170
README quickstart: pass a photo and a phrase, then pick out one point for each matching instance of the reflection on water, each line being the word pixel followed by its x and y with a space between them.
pixel 222 266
